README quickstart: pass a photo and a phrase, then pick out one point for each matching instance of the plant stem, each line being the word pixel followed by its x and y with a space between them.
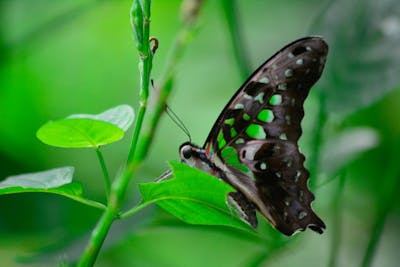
pixel 145 66
pixel 135 209
pixel 88 202
pixel 388 195
pixel 381 217
pixel 316 145
pixel 229 8
pixel 97 238
pixel 337 224
pixel 141 137
pixel 140 14
pixel 160 97
pixel 107 181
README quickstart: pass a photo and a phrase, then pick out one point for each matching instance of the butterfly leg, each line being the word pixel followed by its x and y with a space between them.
pixel 165 176
pixel 243 207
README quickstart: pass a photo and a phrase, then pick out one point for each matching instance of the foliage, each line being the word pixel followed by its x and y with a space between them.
pixel 350 131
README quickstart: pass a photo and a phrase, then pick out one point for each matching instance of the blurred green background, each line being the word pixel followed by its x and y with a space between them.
pixel 64 57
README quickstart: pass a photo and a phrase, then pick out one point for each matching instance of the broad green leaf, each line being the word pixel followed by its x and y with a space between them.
pixel 55 181
pixel 44 179
pixel 345 147
pixel 194 197
pixel 363 61
pixel 79 133
pixel 121 116
pixel 71 190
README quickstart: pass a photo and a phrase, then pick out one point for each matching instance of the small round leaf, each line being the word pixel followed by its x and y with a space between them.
pixel 121 116
pixel 79 133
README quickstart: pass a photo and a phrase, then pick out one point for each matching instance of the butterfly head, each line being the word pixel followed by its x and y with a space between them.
pixel 195 156
pixel 191 153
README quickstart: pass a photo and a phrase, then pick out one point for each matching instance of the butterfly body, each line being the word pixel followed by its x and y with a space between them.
pixel 253 144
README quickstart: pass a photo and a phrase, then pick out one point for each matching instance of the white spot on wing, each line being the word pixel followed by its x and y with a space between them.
pixel 247 96
pixel 260 98
pixel 263 166
pixel 239 106
pixel 264 80
pixel 288 73
pixel 302 214
pixel 282 86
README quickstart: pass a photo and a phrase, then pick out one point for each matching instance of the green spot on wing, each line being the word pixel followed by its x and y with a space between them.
pixel 221 140
pixel 233 132
pixel 228 153
pixel 246 116
pixel 229 121
pixel 275 100
pixel 255 131
pixel 266 115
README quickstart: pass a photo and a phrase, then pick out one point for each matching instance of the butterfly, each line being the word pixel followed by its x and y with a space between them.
pixel 253 144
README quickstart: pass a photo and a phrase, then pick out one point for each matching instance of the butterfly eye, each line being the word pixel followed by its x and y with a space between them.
pixel 186 152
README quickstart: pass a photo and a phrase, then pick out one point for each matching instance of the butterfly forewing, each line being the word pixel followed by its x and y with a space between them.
pixel 257 132
pixel 274 94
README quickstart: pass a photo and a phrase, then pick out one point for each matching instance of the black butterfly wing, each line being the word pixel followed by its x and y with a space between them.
pixel 258 130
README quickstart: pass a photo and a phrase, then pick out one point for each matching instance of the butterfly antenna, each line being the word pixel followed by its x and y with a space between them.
pixel 175 118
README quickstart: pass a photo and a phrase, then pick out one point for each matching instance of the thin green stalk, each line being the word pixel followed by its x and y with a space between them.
pixel 387 197
pixel 87 202
pixel 381 216
pixel 136 129
pixel 142 33
pixel 155 113
pixel 337 224
pixel 189 13
pixel 97 238
pixel 275 244
pixel 107 181
pixel 135 209
pixel 230 10
pixel 140 14
pixel 317 141
pixel 142 137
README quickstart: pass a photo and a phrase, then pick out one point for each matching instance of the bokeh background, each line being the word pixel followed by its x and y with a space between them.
pixel 63 57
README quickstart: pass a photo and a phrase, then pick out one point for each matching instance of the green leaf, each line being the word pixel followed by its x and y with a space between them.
pixel 194 197
pixel 121 116
pixel 345 147
pixel 363 61
pixel 79 133
pixel 44 179
pixel 55 181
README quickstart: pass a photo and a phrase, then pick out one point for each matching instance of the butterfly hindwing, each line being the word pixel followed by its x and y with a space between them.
pixel 281 182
